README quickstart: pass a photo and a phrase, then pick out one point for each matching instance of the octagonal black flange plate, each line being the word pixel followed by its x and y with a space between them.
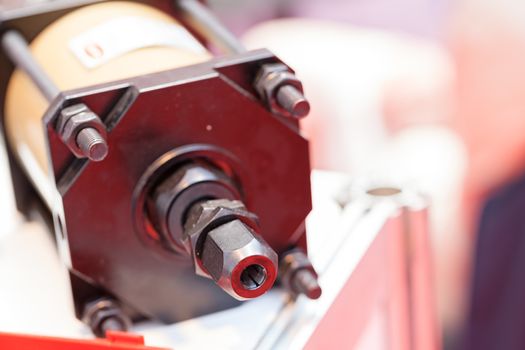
pixel 213 104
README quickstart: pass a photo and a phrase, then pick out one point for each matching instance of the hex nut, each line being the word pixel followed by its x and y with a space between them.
pixel 74 119
pixel 97 312
pixel 270 78
pixel 205 216
pixel 171 198
pixel 222 240
pixel 239 260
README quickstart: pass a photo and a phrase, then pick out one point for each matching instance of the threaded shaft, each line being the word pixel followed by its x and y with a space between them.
pixel 92 144
pixel 293 101
pixel 112 324
pixel 305 282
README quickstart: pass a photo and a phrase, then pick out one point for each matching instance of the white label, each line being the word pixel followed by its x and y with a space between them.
pixel 119 36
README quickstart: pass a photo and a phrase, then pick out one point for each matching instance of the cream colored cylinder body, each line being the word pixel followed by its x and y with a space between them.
pixel 25 105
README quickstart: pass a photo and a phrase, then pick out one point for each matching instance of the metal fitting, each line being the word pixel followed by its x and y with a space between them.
pixel 298 276
pixel 281 91
pixel 197 212
pixel 223 241
pixel 83 132
pixel 105 315
pixel 170 201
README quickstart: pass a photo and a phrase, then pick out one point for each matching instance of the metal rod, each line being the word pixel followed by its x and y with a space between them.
pixel 17 49
pixel 205 23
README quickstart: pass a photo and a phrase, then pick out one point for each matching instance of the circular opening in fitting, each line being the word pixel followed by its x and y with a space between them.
pixel 253 277
pixel 384 191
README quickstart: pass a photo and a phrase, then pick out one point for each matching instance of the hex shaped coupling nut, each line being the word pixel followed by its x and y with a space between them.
pixel 239 261
pixel 281 91
pixel 171 198
pixel 225 246
pixel 83 132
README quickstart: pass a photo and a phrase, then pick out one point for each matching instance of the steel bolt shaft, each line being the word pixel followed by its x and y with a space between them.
pixel 298 275
pixel 293 101
pixel 112 324
pixel 305 282
pixel 92 144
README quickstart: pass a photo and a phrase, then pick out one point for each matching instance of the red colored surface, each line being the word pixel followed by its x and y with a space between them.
pixel 392 278
pixel 114 341
pixel 346 319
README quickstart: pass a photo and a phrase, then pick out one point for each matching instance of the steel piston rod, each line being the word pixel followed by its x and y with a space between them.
pixel 17 49
pixel 205 23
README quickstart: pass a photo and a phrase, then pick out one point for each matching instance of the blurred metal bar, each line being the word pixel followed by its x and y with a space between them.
pixel 17 49
pixel 425 328
pixel 204 22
